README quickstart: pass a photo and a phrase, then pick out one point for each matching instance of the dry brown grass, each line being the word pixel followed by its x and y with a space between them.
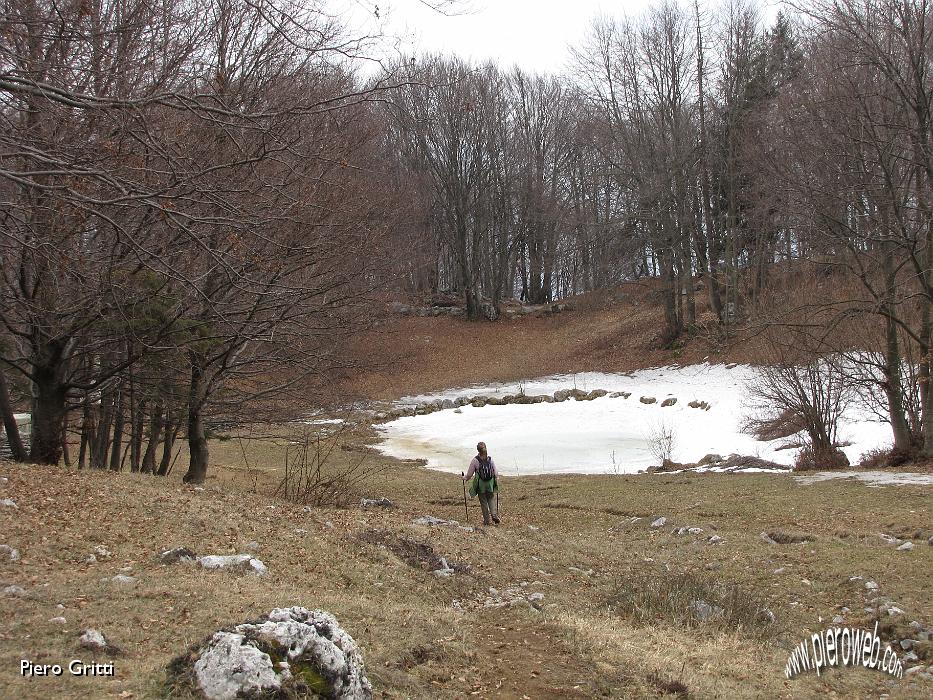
pixel 416 643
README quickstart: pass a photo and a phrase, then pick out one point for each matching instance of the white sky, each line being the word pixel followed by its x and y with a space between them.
pixel 535 34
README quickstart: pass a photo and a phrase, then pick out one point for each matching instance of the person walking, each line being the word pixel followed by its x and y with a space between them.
pixel 485 483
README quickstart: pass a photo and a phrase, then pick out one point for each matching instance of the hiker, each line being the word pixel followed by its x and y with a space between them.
pixel 485 483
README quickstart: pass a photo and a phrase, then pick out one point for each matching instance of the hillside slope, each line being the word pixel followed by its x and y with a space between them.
pixel 571 539
pixel 602 332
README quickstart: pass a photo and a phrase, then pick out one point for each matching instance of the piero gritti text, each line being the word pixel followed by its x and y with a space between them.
pixel 75 667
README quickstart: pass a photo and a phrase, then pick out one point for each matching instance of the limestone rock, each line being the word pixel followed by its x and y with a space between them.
pixel 177 555
pixel 377 503
pixel 94 639
pixel 291 652
pixel 14 592
pixel 766 615
pixel 8 503
pixel 906 547
pixel 9 552
pixel 706 611
pixel 429 520
pixel 660 522
pixel 239 563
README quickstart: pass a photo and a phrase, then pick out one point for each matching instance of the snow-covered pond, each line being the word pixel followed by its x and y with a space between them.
pixel 605 435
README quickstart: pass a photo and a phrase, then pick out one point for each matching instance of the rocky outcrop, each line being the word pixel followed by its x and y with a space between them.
pixel 732 463
pixel 289 653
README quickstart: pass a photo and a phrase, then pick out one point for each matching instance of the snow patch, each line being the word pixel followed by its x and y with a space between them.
pixel 870 478
pixel 610 435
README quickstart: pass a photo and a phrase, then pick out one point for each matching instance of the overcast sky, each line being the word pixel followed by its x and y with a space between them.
pixel 534 34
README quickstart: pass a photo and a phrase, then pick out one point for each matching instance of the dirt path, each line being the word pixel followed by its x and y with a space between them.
pixel 519 659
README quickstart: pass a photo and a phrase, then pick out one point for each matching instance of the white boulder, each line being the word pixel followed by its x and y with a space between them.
pixel 240 563
pixel 316 653
pixel 93 639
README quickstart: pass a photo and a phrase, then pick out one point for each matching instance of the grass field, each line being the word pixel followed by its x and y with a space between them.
pixel 616 619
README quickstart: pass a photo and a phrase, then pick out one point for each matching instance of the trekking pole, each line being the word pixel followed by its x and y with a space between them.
pixel 465 510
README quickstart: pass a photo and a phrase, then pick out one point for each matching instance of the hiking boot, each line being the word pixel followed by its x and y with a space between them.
pixel 496 520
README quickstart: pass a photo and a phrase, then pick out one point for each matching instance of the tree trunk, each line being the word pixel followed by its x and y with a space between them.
pixel 171 432
pixel 13 439
pixel 138 414
pixel 66 455
pixel 119 420
pixel 197 441
pixel 101 441
pixel 47 416
pixel 87 431
pixel 155 435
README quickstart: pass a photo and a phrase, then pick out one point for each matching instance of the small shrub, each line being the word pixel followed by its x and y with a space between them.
pixel 688 599
pixel 669 686
pixel 809 459
pixel 662 441
pixel 811 398
pixel 313 477
pixel 874 458
pixel 882 457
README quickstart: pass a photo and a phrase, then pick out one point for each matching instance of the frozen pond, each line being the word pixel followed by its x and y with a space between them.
pixel 605 435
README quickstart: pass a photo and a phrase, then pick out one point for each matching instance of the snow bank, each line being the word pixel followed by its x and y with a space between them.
pixel 870 478
pixel 605 435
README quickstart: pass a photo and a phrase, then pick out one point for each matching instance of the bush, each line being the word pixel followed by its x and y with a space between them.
pixel 662 441
pixel 809 459
pixel 811 397
pixel 313 477
pixel 884 457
